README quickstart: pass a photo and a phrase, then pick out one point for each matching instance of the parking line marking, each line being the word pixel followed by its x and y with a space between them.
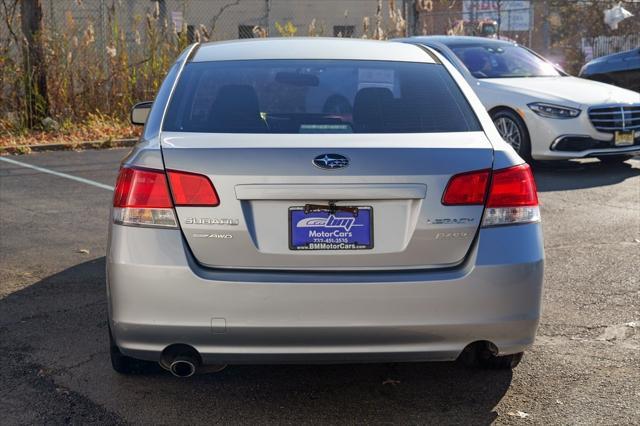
pixel 59 174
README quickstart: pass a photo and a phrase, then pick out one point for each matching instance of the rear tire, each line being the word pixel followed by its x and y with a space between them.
pixel 123 364
pixel 514 131
pixel 614 159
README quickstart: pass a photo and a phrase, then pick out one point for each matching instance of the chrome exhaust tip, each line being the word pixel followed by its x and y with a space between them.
pixel 183 367
pixel 180 360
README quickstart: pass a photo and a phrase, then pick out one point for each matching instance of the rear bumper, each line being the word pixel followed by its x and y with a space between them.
pixel 159 296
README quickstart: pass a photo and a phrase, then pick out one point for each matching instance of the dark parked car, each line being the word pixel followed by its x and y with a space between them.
pixel 621 69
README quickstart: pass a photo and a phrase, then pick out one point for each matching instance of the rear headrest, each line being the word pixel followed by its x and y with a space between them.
pixel 236 109
pixel 371 109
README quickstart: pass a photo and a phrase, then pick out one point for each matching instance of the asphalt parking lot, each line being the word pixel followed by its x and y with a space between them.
pixel 584 367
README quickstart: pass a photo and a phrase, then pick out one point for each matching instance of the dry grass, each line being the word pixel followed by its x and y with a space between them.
pixel 92 84
pixel 94 128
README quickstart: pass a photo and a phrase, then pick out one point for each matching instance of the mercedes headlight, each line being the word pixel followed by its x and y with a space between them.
pixel 553 111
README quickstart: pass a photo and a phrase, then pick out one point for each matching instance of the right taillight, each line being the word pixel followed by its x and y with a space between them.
pixel 142 198
pixel 512 197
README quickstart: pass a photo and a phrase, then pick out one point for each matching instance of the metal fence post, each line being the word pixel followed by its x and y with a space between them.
pixel 37 100
pixel 102 47
pixel 267 4
pixel 405 13
pixel 531 22
pixel 162 14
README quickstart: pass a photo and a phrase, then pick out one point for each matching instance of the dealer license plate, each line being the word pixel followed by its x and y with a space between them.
pixel 322 230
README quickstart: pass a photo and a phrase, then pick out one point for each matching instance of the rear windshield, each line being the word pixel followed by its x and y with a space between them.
pixel 317 96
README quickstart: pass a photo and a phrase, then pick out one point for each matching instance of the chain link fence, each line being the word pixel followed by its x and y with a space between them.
pixel 210 20
pixel 100 56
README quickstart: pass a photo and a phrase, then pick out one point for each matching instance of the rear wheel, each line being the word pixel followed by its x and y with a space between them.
pixel 613 159
pixel 513 131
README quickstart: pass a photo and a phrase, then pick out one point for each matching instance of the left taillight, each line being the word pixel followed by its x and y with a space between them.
pixel 142 198
pixel 191 189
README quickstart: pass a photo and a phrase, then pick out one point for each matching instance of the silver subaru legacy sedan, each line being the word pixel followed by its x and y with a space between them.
pixel 320 200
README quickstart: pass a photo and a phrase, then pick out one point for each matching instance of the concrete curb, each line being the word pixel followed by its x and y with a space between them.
pixel 106 144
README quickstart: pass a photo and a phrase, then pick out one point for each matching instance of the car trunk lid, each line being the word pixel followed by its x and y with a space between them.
pixel 397 181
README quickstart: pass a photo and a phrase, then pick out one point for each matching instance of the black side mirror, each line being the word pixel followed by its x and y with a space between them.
pixel 140 112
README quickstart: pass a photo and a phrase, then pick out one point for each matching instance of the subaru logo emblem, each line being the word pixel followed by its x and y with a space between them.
pixel 331 161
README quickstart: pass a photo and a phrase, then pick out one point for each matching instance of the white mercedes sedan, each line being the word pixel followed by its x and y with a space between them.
pixel 544 113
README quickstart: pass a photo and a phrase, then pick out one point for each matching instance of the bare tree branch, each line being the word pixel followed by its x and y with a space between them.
pixel 214 19
pixel 9 12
